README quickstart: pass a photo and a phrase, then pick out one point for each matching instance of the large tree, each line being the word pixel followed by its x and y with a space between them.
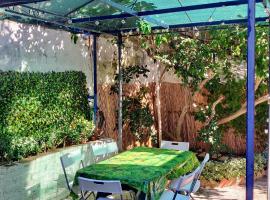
pixel 212 63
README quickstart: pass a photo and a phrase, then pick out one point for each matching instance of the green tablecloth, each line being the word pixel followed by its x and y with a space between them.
pixel 145 169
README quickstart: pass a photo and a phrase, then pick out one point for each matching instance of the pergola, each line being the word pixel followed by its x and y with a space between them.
pixel 118 17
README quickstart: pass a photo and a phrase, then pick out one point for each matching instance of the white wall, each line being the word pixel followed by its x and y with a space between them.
pixel 34 48
pixel 133 54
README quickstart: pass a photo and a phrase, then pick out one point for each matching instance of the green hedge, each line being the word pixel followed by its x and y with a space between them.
pixel 42 111
pixel 231 168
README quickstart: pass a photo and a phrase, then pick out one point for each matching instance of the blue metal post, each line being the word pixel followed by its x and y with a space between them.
pixel 120 80
pixel 250 100
pixel 268 120
pixel 95 76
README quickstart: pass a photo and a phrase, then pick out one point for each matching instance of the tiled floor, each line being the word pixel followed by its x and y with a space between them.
pixel 234 193
pixel 230 193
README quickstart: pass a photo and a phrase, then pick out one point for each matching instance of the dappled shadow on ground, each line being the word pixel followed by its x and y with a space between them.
pixel 234 192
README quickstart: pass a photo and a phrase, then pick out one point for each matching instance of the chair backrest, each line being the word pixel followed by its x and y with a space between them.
pixel 180 146
pixel 92 185
pixel 190 178
pixel 187 179
pixel 202 165
pixel 104 148
pixel 112 148
pixel 199 170
pixel 68 160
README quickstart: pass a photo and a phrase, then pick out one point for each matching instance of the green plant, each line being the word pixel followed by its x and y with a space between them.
pixel 212 135
pixel 136 113
pixel 231 168
pixel 42 111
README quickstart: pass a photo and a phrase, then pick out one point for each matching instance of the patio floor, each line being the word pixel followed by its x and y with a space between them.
pixel 228 193
pixel 234 192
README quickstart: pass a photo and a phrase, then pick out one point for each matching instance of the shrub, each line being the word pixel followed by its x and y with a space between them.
pixel 41 111
pixel 231 168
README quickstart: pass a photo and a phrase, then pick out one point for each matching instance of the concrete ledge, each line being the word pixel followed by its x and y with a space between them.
pixel 41 177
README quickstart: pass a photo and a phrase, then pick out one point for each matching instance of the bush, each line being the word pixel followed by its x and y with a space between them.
pixel 232 168
pixel 41 111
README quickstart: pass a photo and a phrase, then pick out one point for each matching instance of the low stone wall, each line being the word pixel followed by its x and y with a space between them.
pixel 42 177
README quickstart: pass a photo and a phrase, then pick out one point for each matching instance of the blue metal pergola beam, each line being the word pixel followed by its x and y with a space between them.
pixel 163 11
pixel 51 23
pixel 44 11
pixel 197 24
pixel 6 3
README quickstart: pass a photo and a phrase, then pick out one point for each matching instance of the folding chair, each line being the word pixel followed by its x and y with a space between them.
pixel 100 186
pixel 181 182
pixel 193 186
pixel 180 146
pixel 104 148
pixel 68 160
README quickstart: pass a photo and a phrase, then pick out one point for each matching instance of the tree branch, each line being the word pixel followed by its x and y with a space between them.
pixel 211 75
pixel 213 109
pixel 257 84
pixel 181 119
pixel 242 111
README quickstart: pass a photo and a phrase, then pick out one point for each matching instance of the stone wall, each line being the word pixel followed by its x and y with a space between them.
pixel 42 177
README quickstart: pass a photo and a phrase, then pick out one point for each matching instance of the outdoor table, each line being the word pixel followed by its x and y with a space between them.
pixel 142 168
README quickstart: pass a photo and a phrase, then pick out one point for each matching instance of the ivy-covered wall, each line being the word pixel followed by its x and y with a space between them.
pixel 42 111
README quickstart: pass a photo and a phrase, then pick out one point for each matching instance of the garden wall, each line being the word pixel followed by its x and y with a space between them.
pixel 42 177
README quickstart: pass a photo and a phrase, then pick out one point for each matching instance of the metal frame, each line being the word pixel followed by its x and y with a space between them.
pixel 51 23
pixel 44 11
pixel 134 13
pixel 213 23
pixel 120 80
pixel 250 100
pixel 129 13
pixel 6 3
pixel 163 11
pixel 94 54
pixel 268 120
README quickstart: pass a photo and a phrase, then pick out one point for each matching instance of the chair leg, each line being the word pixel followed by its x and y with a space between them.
pixel 82 195
pixel 191 197
pixel 131 194
pixel 174 196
